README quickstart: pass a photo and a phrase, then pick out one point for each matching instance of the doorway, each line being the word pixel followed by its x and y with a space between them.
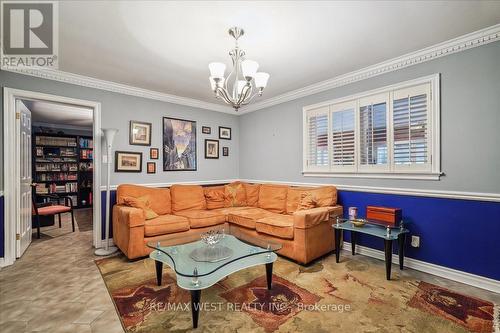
pixel 51 149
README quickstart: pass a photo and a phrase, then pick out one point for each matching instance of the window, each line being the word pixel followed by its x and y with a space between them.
pixel 392 132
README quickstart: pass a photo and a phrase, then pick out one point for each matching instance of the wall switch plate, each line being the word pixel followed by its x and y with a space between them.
pixel 105 160
pixel 415 241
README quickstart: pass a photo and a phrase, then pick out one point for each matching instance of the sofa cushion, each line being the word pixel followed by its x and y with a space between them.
pixel 202 218
pixel 235 195
pixel 142 203
pixel 273 198
pixel 307 201
pixel 165 224
pixel 159 198
pixel 293 197
pixel 187 197
pixel 278 225
pixel 252 192
pixel 325 196
pixel 247 216
pixel 214 195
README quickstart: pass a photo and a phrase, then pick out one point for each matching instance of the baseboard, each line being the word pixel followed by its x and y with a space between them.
pixel 2 262
pixel 441 271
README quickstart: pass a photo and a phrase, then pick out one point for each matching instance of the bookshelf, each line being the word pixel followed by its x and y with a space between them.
pixel 62 164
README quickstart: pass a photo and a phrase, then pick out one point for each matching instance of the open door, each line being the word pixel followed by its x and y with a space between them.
pixel 23 225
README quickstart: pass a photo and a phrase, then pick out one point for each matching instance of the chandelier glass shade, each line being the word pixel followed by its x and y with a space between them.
pixel 243 83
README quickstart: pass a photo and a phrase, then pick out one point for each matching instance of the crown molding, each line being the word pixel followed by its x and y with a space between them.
pixel 89 82
pixel 462 43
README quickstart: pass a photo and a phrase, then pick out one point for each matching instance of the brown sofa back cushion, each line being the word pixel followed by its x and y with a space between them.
pixel 293 197
pixel 187 197
pixel 252 191
pixel 273 198
pixel 235 195
pixel 214 195
pixel 159 198
pixel 323 196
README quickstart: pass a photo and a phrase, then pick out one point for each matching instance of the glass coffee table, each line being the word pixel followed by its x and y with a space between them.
pixel 373 228
pixel 199 263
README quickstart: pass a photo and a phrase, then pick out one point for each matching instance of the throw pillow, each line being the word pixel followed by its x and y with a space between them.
pixel 142 203
pixel 215 197
pixel 235 195
pixel 307 201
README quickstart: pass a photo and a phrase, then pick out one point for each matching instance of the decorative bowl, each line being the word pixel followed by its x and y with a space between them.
pixel 358 222
pixel 212 237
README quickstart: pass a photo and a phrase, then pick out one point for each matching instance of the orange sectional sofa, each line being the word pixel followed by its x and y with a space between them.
pixel 267 211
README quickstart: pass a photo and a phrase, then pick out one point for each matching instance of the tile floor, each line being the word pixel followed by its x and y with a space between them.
pixel 56 287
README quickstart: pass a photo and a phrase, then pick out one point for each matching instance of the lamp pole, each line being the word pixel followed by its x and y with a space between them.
pixel 109 134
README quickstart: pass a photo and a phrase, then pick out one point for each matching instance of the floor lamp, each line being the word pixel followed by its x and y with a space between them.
pixel 109 134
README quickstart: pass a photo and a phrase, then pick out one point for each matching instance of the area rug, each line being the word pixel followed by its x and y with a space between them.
pixel 351 296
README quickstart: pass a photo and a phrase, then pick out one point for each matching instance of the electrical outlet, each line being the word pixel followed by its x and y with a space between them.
pixel 415 241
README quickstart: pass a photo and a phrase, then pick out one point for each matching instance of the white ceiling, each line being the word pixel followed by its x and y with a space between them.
pixel 59 114
pixel 166 46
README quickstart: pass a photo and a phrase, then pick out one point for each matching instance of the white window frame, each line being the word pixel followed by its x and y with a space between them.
pixel 429 171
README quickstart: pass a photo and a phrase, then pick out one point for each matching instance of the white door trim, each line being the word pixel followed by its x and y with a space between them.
pixel 10 193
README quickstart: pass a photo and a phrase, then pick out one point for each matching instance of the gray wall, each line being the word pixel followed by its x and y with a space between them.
pixel 117 110
pixel 271 139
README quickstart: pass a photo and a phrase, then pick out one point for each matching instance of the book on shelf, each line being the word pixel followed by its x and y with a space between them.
pixel 55 141
pixel 86 143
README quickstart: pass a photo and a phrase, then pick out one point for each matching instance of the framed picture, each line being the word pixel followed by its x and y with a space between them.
pixel 140 133
pixel 224 133
pixel 225 151
pixel 154 153
pixel 206 130
pixel 151 167
pixel 128 161
pixel 211 148
pixel 179 144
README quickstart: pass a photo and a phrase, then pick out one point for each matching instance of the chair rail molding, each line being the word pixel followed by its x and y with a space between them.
pixel 195 182
pixel 493 197
pixel 442 271
pixel 462 43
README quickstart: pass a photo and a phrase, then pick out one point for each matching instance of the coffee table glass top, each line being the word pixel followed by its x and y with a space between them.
pixel 371 228
pixel 189 256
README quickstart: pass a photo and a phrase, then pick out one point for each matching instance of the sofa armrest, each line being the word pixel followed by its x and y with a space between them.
pixel 130 216
pixel 303 219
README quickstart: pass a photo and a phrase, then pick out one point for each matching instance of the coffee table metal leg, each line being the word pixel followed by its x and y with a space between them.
pixel 269 275
pixel 401 252
pixel 159 271
pixel 337 244
pixel 388 258
pixel 353 242
pixel 195 306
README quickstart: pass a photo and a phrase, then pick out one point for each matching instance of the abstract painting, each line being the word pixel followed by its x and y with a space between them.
pixel 179 144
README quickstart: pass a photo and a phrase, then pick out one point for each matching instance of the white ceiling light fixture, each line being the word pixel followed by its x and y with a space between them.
pixel 236 89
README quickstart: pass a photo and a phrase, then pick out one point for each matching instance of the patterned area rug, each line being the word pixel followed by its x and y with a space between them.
pixel 352 296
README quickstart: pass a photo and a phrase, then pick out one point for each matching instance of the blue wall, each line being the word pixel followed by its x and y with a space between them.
pixel 459 234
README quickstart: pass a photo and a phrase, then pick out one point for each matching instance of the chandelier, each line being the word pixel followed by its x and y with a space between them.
pixel 237 89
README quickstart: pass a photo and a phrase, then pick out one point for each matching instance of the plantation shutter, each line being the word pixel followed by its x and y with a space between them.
pixel 373 131
pixel 411 127
pixel 317 139
pixel 343 137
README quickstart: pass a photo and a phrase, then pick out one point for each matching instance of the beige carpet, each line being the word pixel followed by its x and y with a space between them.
pixel 352 296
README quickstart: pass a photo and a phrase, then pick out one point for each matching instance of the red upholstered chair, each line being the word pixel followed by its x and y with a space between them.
pixel 56 208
